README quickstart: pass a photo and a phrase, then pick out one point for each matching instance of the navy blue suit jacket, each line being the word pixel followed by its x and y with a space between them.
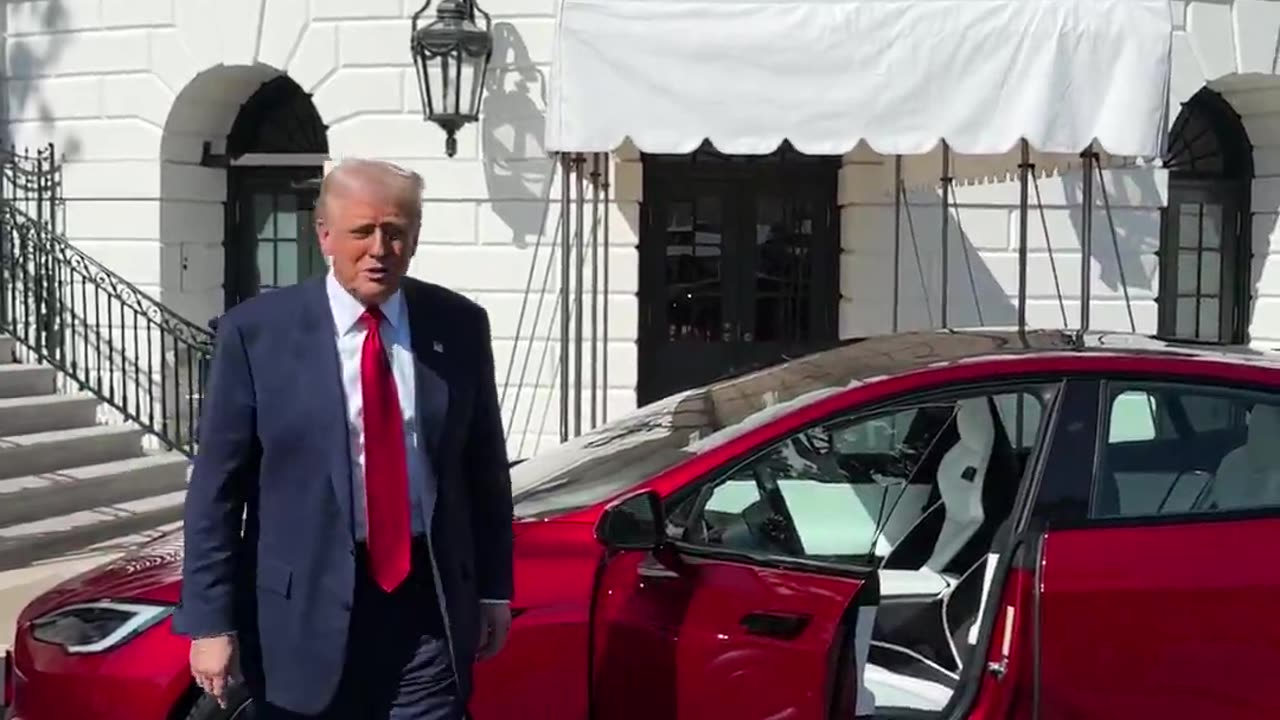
pixel 269 543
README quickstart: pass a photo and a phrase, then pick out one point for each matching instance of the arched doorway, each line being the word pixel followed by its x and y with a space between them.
pixel 275 155
pixel 1205 248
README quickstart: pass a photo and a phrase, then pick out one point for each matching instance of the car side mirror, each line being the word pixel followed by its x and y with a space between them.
pixel 634 523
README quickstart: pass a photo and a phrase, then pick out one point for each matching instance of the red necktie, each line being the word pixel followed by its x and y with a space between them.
pixel 386 474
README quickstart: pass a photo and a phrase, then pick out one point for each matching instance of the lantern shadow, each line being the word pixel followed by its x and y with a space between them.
pixel 518 173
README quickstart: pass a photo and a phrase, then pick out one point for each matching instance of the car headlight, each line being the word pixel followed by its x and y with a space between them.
pixel 97 626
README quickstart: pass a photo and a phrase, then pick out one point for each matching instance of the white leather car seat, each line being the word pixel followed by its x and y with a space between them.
pixel 960 478
pixel 961 474
pixel 1249 476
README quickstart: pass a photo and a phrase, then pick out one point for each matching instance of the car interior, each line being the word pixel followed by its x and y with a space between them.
pixel 924 489
pixel 1208 452
pixel 932 577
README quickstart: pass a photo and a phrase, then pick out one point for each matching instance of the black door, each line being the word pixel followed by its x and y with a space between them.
pixel 739 265
pixel 271 239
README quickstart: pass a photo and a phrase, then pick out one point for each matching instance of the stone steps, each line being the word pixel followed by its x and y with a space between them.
pixel 68 481
pixel 46 413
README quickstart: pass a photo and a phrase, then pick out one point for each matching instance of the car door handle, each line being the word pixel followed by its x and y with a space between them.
pixel 783 626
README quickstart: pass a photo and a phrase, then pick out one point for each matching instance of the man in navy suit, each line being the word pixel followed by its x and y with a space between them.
pixel 348 521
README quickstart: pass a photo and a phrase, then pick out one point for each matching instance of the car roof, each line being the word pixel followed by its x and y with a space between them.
pixel 659 436
pixel 858 361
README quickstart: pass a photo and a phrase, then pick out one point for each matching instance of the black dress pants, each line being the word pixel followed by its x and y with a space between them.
pixel 398 665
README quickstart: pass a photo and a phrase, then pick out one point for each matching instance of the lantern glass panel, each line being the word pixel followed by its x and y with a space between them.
pixel 454 84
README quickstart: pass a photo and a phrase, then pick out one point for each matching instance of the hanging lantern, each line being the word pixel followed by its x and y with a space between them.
pixel 452 56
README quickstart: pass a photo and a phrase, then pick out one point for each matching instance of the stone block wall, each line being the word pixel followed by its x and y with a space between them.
pixel 130 90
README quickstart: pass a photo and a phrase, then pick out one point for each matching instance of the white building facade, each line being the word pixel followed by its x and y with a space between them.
pixel 194 132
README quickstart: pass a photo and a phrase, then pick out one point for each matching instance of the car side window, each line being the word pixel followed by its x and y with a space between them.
pixel 819 493
pixel 1133 417
pixel 1173 449
pixel 1021 413
pixel 855 486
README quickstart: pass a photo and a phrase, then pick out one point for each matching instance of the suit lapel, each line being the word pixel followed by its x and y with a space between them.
pixel 431 387
pixel 317 354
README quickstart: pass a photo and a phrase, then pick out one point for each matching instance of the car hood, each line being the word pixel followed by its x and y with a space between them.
pixel 150 572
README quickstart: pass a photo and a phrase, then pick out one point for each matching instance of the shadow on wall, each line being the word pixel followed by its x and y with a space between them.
pixel 517 172
pixel 974 295
pixel 983 270
pixel 519 178
pixel 1121 238
pixel 30 58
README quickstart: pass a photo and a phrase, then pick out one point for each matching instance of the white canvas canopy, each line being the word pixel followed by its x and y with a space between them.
pixel 899 76
pixel 956 91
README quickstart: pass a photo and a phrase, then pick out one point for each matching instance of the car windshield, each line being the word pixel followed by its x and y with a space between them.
pixel 646 442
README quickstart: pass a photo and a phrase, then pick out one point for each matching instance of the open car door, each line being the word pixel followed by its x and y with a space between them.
pixel 766 596
pixel 679 633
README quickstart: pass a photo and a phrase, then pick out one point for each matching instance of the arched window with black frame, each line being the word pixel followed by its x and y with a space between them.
pixel 1205 249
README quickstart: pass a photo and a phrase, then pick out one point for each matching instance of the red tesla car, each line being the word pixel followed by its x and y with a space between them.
pixel 981 524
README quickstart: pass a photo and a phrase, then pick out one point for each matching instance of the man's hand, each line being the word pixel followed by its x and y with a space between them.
pixel 495 623
pixel 211 662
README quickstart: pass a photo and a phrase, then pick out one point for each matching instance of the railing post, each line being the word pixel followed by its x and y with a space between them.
pixel 70 311
pixel 7 270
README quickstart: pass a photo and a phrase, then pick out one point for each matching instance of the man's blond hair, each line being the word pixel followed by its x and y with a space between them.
pixel 406 185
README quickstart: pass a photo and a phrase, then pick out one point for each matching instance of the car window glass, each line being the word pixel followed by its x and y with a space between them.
pixel 1206 413
pixel 856 487
pixel 879 435
pixel 1178 449
pixel 1021 413
pixel 1133 417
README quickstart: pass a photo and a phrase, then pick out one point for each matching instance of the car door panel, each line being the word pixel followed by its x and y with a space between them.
pixel 1172 621
pixel 1151 609
pixel 1002 685
pixel 763 608
pixel 714 637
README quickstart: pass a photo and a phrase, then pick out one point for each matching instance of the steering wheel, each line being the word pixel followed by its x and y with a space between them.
pixel 778 527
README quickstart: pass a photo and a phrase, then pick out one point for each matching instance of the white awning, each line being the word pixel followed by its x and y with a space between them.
pixel 897 75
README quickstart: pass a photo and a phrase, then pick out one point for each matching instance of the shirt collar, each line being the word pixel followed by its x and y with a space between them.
pixel 347 310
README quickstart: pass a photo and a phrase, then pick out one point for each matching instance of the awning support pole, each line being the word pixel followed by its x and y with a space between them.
pixel 566 249
pixel 542 289
pixel 604 323
pixel 1023 210
pixel 915 249
pixel 595 288
pixel 1048 245
pixel 1086 239
pixel 946 224
pixel 897 237
pixel 578 162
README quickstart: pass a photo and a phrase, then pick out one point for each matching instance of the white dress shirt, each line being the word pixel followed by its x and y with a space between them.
pixel 350 332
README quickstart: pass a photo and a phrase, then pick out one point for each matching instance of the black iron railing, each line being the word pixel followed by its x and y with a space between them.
pixel 68 310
